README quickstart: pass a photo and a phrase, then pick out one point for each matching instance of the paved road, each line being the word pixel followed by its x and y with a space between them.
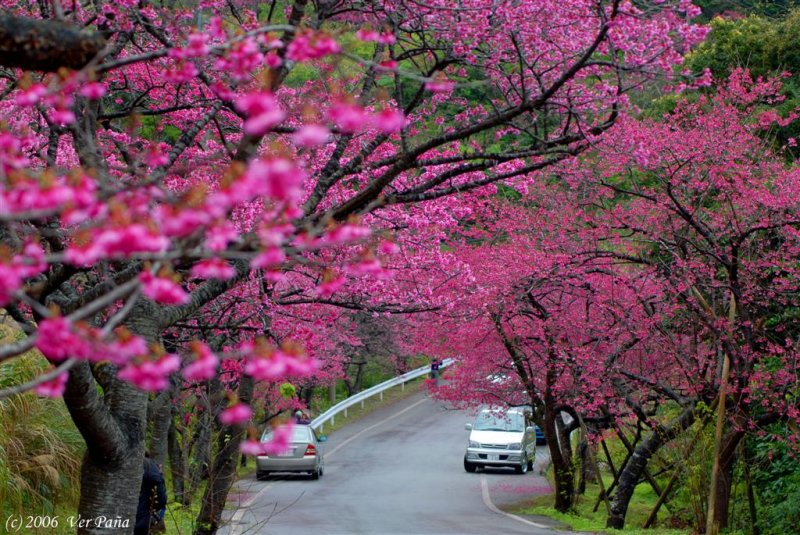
pixel 398 471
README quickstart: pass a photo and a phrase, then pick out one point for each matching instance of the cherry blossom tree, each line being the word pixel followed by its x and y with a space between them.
pixel 699 200
pixel 549 327
pixel 160 163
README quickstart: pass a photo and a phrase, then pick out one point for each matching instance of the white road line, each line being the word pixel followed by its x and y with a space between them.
pixel 236 527
pixel 487 500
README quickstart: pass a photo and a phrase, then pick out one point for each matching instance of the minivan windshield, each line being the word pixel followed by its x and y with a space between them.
pixel 494 421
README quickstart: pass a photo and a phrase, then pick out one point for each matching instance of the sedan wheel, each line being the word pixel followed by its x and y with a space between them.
pixel 316 473
pixel 523 466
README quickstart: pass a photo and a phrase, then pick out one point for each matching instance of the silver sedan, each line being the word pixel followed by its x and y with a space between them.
pixel 303 455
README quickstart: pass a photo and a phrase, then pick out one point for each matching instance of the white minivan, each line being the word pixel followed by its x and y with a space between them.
pixel 501 438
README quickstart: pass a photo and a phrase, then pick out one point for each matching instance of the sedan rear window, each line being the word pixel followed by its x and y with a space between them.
pixel 299 434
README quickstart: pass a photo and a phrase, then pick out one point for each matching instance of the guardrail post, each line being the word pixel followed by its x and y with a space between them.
pixel 345 412
pixel 381 395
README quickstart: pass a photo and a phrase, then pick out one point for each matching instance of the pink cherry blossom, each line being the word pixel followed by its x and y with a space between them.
pixel 93 90
pixel 268 363
pixel 53 388
pixel 125 347
pixel 439 85
pixel 389 120
pixel 388 247
pixel 367 266
pixel 348 117
pixel 280 440
pixel 32 95
pixel 251 447
pixel 162 290
pixel 204 366
pixel 345 233
pixel 387 38
pixel 263 112
pixel 213 268
pixel 367 35
pixel 236 414
pixel 10 282
pixel 271 257
pixel 57 341
pixel 278 178
pixel 62 116
pixel 310 45
pixel 330 286
pixel 151 376
pixel 311 135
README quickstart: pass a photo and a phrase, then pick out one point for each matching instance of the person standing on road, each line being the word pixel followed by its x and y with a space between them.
pixel 435 370
pixel 152 496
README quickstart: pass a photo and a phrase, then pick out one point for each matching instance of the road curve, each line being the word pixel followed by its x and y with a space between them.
pixel 397 471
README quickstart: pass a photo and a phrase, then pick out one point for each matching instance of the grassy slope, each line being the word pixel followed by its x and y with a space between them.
pixel 583 519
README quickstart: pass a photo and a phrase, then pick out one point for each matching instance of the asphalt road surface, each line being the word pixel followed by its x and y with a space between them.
pixel 397 471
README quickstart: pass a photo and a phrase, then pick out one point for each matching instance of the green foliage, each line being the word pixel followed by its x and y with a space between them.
pixel 288 390
pixel 753 42
pixel 766 8
pixel 776 478
pixel 40 449
pixel 690 501
pixel 764 46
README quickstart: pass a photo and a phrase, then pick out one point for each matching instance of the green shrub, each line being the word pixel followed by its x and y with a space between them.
pixel 40 449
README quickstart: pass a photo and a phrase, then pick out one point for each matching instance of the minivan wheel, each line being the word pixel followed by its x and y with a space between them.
pixel 523 466
pixel 469 467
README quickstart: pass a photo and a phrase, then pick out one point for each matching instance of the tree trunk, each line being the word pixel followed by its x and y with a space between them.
pixel 160 418
pixel 111 480
pixel 563 470
pixel 634 469
pixel 113 426
pixel 589 471
pixel 727 457
pixel 46 45
pixel 223 471
pixel 177 463
pixel 201 455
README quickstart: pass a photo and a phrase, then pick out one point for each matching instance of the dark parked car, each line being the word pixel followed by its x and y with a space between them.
pixel 540 440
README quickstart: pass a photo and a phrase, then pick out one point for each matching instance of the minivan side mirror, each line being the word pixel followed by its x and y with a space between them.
pixel 468 427
pixel 530 429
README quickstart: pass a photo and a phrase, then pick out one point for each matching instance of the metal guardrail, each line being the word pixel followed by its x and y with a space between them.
pixel 318 423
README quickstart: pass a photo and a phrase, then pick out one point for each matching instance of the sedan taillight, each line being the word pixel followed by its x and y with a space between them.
pixel 311 450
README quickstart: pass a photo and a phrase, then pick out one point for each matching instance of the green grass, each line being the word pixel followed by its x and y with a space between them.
pixel 40 448
pixel 179 519
pixel 583 519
